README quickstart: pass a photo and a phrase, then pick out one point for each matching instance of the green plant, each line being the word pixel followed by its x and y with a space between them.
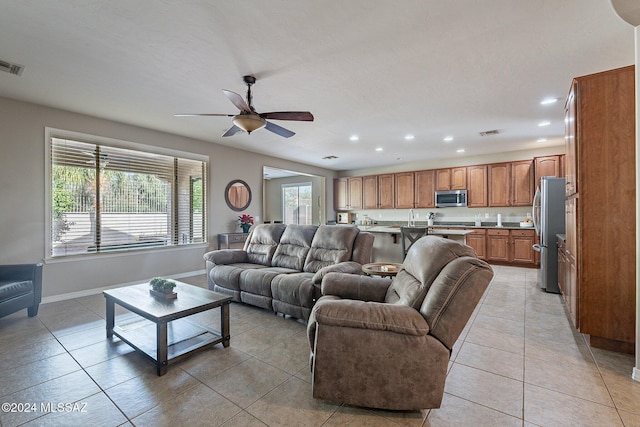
pixel 162 285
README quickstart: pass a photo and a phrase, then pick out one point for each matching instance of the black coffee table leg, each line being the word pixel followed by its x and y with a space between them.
pixel 110 317
pixel 161 348
pixel 224 320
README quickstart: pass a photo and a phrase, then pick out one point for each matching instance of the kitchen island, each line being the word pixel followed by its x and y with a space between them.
pixel 387 245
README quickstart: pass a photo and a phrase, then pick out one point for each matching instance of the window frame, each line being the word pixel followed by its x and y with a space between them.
pixel 127 145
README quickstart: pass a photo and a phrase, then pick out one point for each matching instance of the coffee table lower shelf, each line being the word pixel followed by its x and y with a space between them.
pixel 183 339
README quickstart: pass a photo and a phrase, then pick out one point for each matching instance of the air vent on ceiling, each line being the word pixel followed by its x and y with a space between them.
pixel 490 132
pixel 10 68
pixel 329 157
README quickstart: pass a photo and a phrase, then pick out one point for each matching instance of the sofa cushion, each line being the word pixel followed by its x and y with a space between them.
pixel 294 246
pixel 228 276
pixel 11 288
pixel 294 290
pixel 258 281
pixel 453 297
pixel 331 244
pixel 426 258
pixel 262 243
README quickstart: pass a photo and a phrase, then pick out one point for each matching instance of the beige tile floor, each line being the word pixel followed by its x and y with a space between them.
pixel 518 362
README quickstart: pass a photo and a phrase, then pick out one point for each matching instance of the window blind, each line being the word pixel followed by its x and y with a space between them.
pixel 106 198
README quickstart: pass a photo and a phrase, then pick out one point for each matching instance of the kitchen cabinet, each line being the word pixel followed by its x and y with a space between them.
pixel 547 166
pixel 498 245
pixel 386 191
pixel 478 241
pixel 521 250
pixel 511 184
pixel 477 195
pixel 522 181
pixel 511 246
pixel 451 179
pixel 425 187
pixel 601 233
pixel 370 192
pixel 347 193
pixel 404 190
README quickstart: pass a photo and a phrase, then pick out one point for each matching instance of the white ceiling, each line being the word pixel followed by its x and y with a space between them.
pixel 375 68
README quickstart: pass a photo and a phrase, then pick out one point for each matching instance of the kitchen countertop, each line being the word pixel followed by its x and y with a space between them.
pixel 396 230
pixel 393 228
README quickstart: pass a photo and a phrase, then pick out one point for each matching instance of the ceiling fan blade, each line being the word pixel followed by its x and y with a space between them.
pixel 301 116
pixel 199 114
pixel 279 130
pixel 237 100
pixel 232 131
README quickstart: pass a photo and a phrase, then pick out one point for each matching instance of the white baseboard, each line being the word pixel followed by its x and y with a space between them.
pixel 79 294
pixel 636 374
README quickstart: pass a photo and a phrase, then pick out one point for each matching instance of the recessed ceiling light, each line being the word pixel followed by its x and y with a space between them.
pixel 545 123
pixel 549 101
pixel 379 149
pixel 542 140
pixel 460 150
pixel 448 138
pixel 409 137
pixel 354 138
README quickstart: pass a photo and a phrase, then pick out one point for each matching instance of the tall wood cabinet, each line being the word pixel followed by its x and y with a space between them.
pixel 600 162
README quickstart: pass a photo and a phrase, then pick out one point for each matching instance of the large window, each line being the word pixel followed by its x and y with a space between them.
pixel 296 200
pixel 106 198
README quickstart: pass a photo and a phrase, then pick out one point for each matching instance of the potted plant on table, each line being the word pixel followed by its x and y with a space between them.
pixel 246 221
pixel 162 288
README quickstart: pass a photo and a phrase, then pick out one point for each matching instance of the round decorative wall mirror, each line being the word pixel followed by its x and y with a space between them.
pixel 238 195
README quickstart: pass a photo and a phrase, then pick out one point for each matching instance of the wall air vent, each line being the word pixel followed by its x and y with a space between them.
pixel 10 68
pixel 329 157
pixel 490 132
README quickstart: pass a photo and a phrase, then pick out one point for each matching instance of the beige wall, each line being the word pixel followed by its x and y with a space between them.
pixel 22 197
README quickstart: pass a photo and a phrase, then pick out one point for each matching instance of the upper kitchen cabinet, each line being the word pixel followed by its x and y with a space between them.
pixel 425 187
pixel 404 189
pixel 522 179
pixel 347 193
pixel 570 172
pixel 511 184
pixel 370 192
pixel 386 191
pixel 547 166
pixel 451 179
pixel 477 194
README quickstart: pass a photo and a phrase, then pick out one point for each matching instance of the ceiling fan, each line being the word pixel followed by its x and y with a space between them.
pixel 249 120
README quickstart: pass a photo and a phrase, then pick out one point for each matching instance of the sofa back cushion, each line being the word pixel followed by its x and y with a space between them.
pixel 426 258
pixel 331 244
pixel 262 243
pixel 362 248
pixel 453 296
pixel 294 246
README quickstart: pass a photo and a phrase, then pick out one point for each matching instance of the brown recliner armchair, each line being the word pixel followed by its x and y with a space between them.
pixel 386 344
pixel 20 288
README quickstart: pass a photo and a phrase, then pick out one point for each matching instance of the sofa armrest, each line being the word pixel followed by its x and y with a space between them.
pixel 226 256
pixel 350 267
pixel 357 287
pixel 399 319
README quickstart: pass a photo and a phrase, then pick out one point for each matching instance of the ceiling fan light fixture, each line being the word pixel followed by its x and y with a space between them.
pixel 249 122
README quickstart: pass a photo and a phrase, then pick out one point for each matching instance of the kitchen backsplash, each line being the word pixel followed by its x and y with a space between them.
pixel 510 214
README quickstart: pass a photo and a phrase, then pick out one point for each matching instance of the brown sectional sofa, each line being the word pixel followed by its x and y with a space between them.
pixel 281 266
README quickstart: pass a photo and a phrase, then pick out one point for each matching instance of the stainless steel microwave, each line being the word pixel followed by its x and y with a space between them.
pixel 449 198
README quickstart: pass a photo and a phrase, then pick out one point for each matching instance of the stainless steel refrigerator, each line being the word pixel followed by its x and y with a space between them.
pixel 548 220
